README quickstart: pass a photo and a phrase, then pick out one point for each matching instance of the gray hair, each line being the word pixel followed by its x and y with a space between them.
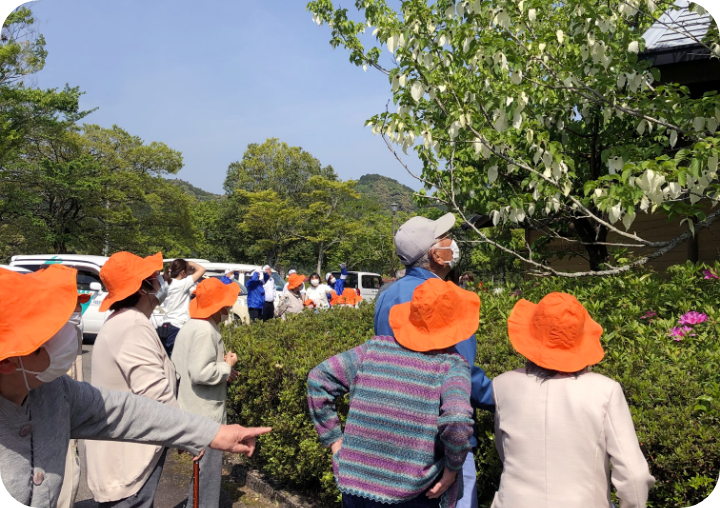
pixel 544 374
pixel 421 262
pixel 424 260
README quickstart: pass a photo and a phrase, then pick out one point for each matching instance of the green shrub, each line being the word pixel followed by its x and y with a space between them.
pixel 673 387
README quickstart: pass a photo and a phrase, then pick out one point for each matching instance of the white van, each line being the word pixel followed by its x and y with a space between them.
pixel 365 284
pixel 88 281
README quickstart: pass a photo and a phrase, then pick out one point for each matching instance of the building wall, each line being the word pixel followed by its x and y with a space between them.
pixel 652 227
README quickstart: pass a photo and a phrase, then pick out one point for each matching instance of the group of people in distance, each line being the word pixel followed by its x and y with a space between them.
pixel 295 296
pixel 563 433
pixel 139 403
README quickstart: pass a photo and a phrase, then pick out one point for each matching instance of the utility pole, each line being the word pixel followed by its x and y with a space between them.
pixel 394 207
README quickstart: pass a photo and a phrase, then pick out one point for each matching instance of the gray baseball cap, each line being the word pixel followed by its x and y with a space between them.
pixel 419 234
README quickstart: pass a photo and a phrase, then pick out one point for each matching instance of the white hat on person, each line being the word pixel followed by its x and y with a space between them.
pixel 415 237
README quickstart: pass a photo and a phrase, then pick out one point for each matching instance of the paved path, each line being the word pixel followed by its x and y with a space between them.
pixel 176 476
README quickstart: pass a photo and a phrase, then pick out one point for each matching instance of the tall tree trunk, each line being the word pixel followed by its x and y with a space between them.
pixel 321 253
pixel 591 232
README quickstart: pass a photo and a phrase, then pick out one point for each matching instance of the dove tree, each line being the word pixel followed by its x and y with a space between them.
pixel 541 115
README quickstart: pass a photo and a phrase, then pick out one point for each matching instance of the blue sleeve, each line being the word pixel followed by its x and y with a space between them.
pixel 382 315
pixel 266 277
pixel 481 394
pixel 340 283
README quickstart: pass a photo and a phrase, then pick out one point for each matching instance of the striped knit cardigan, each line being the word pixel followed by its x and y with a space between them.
pixel 409 417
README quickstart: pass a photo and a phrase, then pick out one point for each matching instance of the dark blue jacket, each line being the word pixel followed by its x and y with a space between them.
pixel 481 395
pixel 226 280
pixel 256 292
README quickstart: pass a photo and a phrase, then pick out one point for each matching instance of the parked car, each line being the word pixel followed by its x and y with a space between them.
pixel 88 281
pixel 16 269
pixel 369 283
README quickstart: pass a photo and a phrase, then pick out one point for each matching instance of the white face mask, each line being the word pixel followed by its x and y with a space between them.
pixel 315 283
pixel 455 252
pixel 76 319
pixel 161 293
pixel 62 349
pixel 332 280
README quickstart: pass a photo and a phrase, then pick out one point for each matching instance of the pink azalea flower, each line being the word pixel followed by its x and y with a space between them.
pixel 709 274
pixel 692 318
pixel 649 314
pixel 678 333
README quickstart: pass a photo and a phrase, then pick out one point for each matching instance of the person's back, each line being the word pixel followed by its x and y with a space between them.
pixel 409 423
pixel 556 437
pixel 198 359
pixel 558 427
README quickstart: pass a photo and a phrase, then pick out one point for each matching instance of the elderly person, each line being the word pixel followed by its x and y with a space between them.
pixel 558 426
pixel 292 301
pixel 428 251
pixel 205 371
pixel 72 462
pixel 409 423
pixel 129 357
pixel 43 409
pixel 302 287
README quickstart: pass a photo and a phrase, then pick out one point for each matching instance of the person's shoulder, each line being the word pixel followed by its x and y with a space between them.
pixel 511 377
pixel 457 360
pixel 599 382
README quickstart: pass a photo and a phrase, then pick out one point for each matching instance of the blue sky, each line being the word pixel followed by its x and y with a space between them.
pixel 207 78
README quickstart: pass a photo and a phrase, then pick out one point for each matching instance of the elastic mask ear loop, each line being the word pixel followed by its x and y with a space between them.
pixel 22 367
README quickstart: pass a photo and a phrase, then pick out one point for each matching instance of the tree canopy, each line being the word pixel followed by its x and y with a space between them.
pixel 541 115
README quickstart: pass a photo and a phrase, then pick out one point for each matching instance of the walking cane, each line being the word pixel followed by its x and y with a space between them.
pixel 196 484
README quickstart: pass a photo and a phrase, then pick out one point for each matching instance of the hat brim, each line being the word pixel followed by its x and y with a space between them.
pixel 464 325
pixel 228 300
pixel 588 352
pixel 37 321
pixel 444 224
pixel 144 269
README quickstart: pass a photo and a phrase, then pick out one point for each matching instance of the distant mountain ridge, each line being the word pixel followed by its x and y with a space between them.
pixel 386 191
pixel 196 192
pixel 380 189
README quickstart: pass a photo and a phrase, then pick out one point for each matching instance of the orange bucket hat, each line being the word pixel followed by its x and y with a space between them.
pixel 348 297
pixel 123 274
pixel 439 315
pixel 557 333
pixel 212 295
pixel 30 317
pixel 295 280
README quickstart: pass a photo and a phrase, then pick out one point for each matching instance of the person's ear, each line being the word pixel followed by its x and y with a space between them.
pixel 435 256
pixel 7 366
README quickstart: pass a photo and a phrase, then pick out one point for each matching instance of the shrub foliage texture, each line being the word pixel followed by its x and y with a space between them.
pixel 672 386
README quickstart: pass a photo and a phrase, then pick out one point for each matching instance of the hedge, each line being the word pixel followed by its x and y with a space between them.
pixel 672 387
